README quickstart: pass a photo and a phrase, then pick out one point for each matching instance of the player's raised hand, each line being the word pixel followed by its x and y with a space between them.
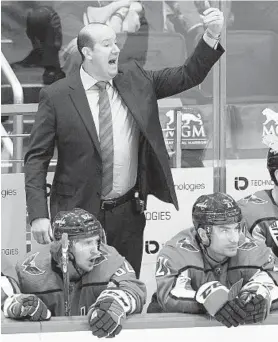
pixel 213 19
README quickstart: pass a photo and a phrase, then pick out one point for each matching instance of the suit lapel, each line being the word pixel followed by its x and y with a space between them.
pixel 79 99
pixel 123 85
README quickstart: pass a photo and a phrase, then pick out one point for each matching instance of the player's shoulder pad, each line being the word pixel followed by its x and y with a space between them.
pixel 35 263
pixel 183 247
pixel 252 252
pixel 185 240
pixel 247 243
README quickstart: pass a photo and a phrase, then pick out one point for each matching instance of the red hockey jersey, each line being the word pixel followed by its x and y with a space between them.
pixel 38 274
pixel 182 268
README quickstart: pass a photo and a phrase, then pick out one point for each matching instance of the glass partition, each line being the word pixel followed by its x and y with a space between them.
pixel 252 93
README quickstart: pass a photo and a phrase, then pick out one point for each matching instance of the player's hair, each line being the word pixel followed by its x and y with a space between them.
pixel 85 39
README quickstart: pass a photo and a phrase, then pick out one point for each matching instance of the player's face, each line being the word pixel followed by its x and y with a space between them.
pixel 103 57
pixel 85 252
pixel 224 240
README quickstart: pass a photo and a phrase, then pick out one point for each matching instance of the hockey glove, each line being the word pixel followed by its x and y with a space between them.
pixel 105 317
pixel 231 314
pixel 215 298
pixel 26 306
pixel 256 301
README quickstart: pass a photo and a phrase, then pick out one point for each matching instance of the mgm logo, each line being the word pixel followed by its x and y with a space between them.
pixel 192 126
pixel 270 126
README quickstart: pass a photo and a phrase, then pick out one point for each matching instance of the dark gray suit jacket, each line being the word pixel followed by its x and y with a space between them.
pixel 64 118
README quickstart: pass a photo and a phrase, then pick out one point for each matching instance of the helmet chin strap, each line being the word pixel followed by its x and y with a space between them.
pixel 72 260
pixel 79 270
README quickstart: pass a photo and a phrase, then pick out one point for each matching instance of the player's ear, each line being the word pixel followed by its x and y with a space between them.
pixel 276 174
pixel 203 236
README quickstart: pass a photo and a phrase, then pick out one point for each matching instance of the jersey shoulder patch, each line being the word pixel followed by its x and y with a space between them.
pixel 106 253
pixel 29 265
pixel 101 258
pixel 248 244
pixel 254 199
pixel 109 260
pixel 187 244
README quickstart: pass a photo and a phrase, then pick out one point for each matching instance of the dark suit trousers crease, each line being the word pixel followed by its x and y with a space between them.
pixel 124 231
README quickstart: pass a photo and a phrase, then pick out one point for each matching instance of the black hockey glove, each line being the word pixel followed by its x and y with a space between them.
pixel 231 314
pixel 219 303
pixel 105 317
pixel 256 302
pixel 26 306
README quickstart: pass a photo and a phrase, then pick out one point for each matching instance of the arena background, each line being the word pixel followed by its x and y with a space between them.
pixel 249 93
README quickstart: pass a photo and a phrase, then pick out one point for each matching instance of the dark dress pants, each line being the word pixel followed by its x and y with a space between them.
pixel 124 230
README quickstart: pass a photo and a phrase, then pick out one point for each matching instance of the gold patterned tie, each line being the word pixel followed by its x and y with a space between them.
pixel 105 138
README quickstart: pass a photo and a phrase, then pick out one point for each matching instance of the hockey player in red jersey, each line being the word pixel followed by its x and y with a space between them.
pixel 96 281
pixel 214 268
pixel 260 210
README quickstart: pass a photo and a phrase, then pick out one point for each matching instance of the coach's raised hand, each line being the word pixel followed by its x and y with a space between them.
pixel 213 20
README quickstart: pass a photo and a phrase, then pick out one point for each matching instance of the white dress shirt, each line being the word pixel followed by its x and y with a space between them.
pixel 125 135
